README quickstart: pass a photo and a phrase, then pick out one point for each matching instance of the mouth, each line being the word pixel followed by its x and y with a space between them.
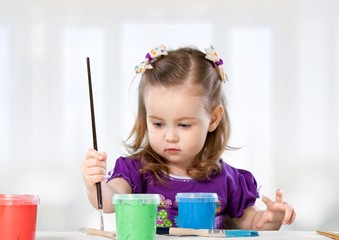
pixel 172 150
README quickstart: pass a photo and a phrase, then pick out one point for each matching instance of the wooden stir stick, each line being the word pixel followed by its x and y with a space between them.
pixel 329 234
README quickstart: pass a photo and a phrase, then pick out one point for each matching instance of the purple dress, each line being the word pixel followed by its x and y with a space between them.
pixel 236 189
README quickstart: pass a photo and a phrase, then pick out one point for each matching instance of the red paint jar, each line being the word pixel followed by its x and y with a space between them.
pixel 18 215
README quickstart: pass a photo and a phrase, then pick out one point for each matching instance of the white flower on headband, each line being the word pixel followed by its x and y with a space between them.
pixel 213 56
pixel 150 57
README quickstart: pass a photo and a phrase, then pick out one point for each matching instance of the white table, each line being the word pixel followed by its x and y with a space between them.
pixel 288 235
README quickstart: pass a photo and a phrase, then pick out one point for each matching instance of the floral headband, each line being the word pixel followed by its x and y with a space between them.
pixel 157 52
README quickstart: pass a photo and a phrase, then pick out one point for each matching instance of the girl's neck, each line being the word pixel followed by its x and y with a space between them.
pixel 178 171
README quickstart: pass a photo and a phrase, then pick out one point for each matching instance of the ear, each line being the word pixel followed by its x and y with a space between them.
pixel 216 116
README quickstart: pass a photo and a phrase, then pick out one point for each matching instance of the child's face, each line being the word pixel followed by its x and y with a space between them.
pixel 177 125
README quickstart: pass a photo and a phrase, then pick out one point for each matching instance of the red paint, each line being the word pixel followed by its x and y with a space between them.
pixel 18 214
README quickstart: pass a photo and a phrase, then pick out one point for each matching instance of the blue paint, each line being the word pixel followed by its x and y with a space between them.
pixel 241 233
pixel 196 210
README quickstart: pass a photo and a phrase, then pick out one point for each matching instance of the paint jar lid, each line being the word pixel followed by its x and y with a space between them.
pixel 19 199
pixel 196 197
pixel 136 198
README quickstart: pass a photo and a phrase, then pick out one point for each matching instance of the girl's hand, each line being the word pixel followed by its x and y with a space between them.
pixel 277 212
pixel 94 167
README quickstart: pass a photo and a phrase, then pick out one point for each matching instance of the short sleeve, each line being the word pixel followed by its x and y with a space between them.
pixel 127 169
pixel 242 191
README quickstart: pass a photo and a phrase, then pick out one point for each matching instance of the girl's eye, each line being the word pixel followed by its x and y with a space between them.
pixel 185 125
pixel 158 124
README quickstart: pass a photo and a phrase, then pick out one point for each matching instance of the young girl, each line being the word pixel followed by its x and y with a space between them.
pixel 181 130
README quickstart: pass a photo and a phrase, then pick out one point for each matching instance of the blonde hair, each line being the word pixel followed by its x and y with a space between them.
pixel 178 67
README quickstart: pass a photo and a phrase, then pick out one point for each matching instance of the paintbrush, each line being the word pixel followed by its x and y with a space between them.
pixel 95 145
pixel 96 232
pixel 206 232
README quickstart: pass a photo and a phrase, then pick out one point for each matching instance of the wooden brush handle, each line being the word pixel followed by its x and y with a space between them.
pixel 188 231
pixel 97 232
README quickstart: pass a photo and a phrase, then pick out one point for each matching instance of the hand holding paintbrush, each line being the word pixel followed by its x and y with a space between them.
pixel 95 145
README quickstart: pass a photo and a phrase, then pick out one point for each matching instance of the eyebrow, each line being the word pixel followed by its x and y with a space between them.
pixel 179 119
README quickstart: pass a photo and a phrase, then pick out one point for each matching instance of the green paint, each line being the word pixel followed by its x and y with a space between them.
pixel 136 215
pixel 136 221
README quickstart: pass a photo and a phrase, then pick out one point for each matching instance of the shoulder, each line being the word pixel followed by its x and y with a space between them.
pixel 241 189
pixel 135 162
pixel 129 170
pixel 226 168
pixel 235 174
pixel 125 166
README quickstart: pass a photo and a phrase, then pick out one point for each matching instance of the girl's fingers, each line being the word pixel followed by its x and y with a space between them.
pixel 95 179
pixel 103 156
pixel 279 210
pixel 93 175
pixel 92 153
pixel 94 162
pixel 278 196
pixel 268 202
pixel 289 214
pixel 94 167
pixel 294 215
pixel 96 171
pixel 278 199
pixel 263 220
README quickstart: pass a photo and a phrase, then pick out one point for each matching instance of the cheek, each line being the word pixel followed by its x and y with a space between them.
pixel 196 140
pixel 153 136
pixel 155 142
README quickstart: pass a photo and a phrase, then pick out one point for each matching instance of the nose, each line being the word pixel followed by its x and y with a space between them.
pixel 171 136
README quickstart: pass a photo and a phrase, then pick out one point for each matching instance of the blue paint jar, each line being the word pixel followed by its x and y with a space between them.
pixel 196 210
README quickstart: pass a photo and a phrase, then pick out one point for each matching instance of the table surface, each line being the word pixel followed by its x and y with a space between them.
pixel 288 235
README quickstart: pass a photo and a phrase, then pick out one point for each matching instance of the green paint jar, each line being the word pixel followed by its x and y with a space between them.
pixel 136 215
